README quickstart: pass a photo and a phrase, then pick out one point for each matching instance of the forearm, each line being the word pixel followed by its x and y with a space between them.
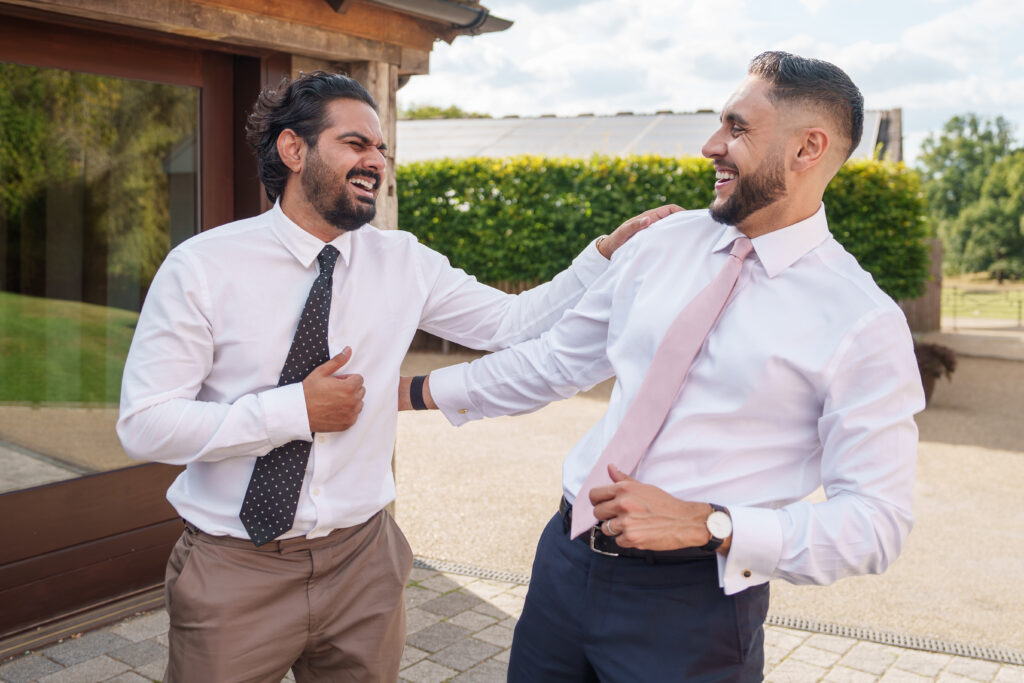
pixel 179 431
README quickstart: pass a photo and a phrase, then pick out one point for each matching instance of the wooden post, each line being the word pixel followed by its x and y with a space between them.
pixel 381 79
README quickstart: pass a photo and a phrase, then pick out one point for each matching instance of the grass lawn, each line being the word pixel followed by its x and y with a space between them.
pixel 61 351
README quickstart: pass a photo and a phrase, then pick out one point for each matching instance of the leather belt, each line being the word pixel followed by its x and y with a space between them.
pixel 601 543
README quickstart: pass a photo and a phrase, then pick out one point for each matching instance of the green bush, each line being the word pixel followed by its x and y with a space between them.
pixel 522 219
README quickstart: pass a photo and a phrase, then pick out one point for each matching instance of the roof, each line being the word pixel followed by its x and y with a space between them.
pixel 666 134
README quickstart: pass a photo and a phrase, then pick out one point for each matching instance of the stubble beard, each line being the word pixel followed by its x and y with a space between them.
pixel 753 192
pixel 329 196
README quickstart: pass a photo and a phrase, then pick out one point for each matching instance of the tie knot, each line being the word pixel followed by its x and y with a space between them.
pixel 327 257
pixel 741 248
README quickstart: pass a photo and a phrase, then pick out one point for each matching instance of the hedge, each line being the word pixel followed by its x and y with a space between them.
pixel 522 219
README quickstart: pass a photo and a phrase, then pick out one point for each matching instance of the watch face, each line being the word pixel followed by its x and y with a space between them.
pixel 719 524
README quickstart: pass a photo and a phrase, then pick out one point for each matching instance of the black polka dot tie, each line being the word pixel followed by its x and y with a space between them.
pixel 268 509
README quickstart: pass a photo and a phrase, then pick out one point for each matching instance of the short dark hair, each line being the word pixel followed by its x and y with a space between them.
pixel 817 82
pixel 301 105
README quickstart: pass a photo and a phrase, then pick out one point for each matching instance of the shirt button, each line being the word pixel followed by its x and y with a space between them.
pixel 463 411
pixel 316 492
pixel 746 574
pixel 321 439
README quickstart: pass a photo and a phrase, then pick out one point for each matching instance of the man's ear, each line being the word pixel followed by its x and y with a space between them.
pixel 813 145
pixel 292 150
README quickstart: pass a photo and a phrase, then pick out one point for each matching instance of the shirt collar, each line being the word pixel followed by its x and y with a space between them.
pixel 302 245
pixel 779 249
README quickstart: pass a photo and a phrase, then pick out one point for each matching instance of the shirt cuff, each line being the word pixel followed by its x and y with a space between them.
pixel 284 414
pixel 448 389
pixel 755 549
pixel 590 264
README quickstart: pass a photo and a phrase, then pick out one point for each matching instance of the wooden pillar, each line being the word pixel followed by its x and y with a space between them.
pixel 381 79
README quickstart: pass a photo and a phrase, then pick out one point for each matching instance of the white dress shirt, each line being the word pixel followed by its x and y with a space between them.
pixel 808 379
pixel 200 383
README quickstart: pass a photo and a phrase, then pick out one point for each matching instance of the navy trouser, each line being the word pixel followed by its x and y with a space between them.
pixel 590 617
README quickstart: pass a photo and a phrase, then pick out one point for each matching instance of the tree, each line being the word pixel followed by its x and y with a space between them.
pixel 431 111
pixel 954 164
pixel 954 167
pixel 992 228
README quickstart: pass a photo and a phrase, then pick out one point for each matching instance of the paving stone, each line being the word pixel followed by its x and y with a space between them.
pixel 901 676
pixel 946 677
pixel 496 635
pixel 491 611
pixel 510 622
pixel 503 656
pixel 838 644
pixel 464 654
pixel 1009 674
pixel 793 671
pixel 844 674
pixel 441 583
pixel 451 604
pixel 75 650
pixel 91 670
pixel 28 668
pixel 519 590
pixel 420 574
pixel 427 672
pixel 411 655
pixel 785 638
pixel 511 605
pixel 141 653
pixel 155 670
pixel 128 677
pixel 437 636
pixel 416 620
pixel 289 677
pixel 815 656
pixel 487 589
pixel 416 596
pixel 870 657
pixel 773 655
pixel 143 627
pixel 474 621
pixel 922 663
pixel 486 672
pixel 163 640
pixel 974 669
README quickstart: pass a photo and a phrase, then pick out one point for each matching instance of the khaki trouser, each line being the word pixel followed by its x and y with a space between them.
pixel 330 609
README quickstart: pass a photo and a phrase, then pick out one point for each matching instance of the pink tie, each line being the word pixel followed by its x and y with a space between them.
pixel 664 377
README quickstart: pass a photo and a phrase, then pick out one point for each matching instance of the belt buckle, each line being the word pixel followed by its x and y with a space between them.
pixel 593 534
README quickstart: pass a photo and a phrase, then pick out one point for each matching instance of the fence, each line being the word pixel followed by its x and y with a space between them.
pixel 983 307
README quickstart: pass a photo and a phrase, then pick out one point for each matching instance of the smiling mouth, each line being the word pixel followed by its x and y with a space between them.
pixel 366 186
pixel 724 177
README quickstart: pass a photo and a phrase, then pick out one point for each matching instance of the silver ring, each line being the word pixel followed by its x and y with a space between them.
pixel 607 528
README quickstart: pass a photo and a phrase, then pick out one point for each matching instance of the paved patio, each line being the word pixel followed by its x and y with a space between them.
pixel 460 630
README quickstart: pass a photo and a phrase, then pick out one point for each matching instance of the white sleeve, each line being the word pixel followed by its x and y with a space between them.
pixel 869 454
pixel 170 357
pixel 467 312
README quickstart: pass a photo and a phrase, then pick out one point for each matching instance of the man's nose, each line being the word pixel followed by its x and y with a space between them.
pixel 714 147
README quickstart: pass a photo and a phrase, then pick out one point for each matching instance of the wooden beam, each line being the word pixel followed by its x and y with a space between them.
pixel 223 24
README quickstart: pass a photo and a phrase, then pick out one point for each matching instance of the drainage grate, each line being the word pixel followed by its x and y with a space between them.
pixel 895 639
pixel 466 570
pixel 899 640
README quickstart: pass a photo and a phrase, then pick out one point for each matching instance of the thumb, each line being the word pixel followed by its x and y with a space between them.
pixel 618 475
pixel 331 366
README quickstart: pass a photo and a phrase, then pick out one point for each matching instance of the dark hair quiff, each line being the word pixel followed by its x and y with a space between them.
pixel 817 82
pixel 301 105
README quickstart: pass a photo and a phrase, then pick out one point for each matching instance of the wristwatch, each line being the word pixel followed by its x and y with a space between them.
pixel 719 525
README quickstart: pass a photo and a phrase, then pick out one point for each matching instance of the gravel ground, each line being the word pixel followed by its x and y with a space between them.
pixel 957 580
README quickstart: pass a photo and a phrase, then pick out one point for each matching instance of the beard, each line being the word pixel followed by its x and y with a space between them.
pixel 753 192
pixel 328 193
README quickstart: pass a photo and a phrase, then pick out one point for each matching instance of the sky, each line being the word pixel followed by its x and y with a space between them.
pixel 932 58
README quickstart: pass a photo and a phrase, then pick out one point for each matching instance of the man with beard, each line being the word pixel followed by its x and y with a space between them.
pixel 687 497
pixel 289 559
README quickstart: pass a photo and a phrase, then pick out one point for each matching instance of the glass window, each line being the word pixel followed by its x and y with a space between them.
pixel 98 179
